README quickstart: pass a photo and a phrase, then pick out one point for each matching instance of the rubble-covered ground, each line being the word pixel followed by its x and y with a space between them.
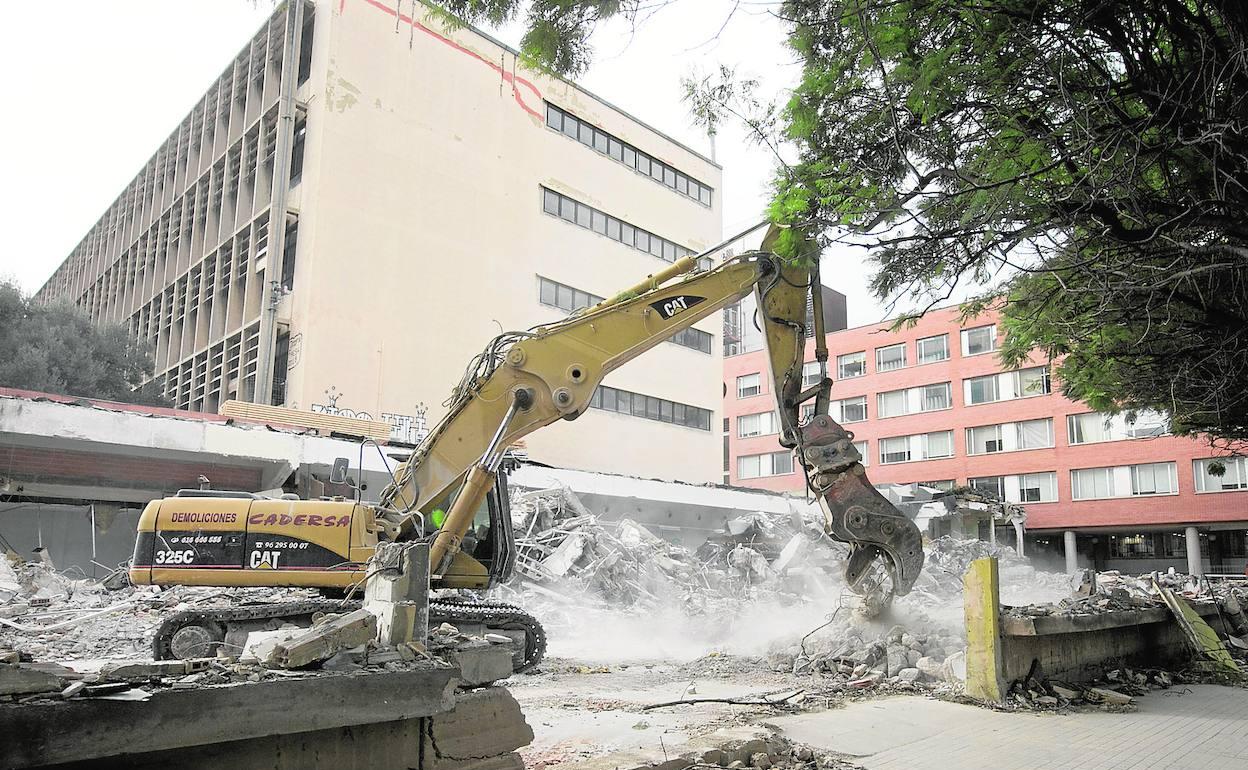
pixel 652 644
pixel 768 591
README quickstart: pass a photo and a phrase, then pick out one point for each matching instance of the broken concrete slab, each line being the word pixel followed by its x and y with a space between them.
pixel 1109 696
pixel 138 671
pixel 481 662
pixel 288 709
pixel 26 679
pixel 328 636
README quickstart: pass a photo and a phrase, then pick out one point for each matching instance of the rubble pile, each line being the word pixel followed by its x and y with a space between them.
pixel 857 655
pixel 623 564
pixel 48 615
pixel 1117 691
pixel 336 642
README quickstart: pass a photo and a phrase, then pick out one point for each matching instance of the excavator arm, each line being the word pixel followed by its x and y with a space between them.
pixel 524 381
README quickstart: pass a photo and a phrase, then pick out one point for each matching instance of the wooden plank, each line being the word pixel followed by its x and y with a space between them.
pixel 325 424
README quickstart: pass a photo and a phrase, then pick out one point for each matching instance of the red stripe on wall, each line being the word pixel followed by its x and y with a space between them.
pixel 514 80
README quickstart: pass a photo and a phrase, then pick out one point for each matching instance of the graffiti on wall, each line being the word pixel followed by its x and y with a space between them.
pixel 408 428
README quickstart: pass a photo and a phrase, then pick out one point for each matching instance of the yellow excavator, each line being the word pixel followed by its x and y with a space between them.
pixel 450 492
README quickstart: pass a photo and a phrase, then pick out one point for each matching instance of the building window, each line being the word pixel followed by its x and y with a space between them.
pixel 1235 477
pixel 1092 483
pixel 983 390
pixel 1009 436
pixel 891 403
pixel 890 358
pixel 1035 434
pixel 861 446
pixel 990 485
pixel 749 385
pixel 807 411
pixel 937 445
pixel 566 298
pixel 851 365
pixel 945 485
pixel 1132 547
pixel 981 339
pixel 851 409
pixel 761 424
pixel 894 450
pixel 557 204
pixel 650 408
pixel 770 464
pixel 694 339
pixel 1037 487
pixel 605 144
pixel 935 397
pixel 1033 382
pixel 933 349
pixel 1095 427
pixel 1006 386
pixel 810 374
pixel 983 440
pixel 1154 479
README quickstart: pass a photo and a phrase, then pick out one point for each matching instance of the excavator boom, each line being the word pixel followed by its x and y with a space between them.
pixel 524 381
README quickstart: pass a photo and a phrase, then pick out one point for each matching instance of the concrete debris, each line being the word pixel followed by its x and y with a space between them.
pixel 48 615
pixel 326 637
pixel 27 678
pixel 626 566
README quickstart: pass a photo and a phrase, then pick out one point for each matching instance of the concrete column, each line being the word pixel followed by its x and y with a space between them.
pixel 1193 552
pixel 981 603
pixel 1072 552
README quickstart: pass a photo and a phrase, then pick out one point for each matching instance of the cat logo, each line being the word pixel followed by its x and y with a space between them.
pixel 673 306
pixel 264 559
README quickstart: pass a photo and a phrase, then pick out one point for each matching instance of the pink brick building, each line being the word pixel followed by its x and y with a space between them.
pixel 932 403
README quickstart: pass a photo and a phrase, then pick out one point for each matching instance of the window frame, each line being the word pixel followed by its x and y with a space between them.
pixel 843 402
pixel 918 349
pixel 879 366
pixel 1200 471
pixel 604 143
pixel 992 341
pixel 884 453
pixel 758 376
pixel 840 365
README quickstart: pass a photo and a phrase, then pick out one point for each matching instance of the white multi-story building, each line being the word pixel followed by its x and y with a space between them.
pixel 363 199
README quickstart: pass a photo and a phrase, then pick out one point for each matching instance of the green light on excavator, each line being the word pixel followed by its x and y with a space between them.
pixel 437 517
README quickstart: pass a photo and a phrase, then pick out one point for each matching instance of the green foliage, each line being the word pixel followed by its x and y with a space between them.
pixel 1090 152
pixel 56 349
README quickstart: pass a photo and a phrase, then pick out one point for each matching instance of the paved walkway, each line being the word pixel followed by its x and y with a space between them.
pixel 1206 728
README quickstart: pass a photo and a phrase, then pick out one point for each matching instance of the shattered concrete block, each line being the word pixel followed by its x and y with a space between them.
pixel 897 659
pixel 930 668
pixel 909 674
pixel 398 592
pixel 73 689
pixel 1109 696
pixel 25 679
pixel 481 663
pixel 138 671
pixel 1065 692
pixel 761 760
pixel 332 634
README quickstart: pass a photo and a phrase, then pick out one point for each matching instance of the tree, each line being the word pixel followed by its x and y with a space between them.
pixel 56 349
pixel 1093 154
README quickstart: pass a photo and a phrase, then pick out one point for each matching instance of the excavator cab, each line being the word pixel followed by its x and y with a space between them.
pixel 487 551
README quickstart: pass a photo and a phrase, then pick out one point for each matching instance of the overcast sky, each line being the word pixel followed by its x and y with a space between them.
pixel 94 87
